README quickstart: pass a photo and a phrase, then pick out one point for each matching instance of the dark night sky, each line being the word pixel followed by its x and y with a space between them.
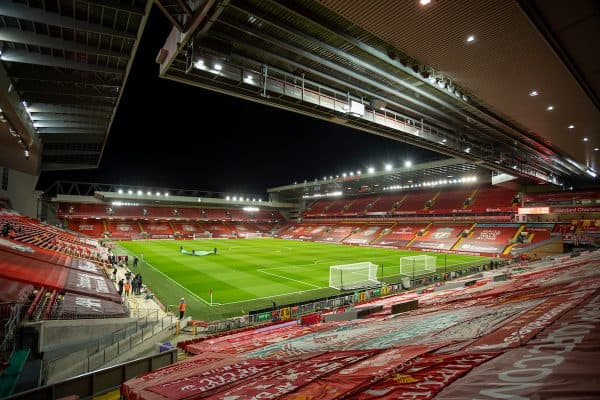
pixel 162 137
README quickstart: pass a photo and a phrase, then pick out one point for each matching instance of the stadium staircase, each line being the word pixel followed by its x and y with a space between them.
pixel 472 197
pixel 513 240
pixel 469 234
pixel 389 228
pixel 431 202
pixel 423 231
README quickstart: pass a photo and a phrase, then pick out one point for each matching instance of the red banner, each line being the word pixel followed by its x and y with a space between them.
pixel 561 362
pixel 362 374
pixel 426 376
pixel 287 379
pixel 213 380
pixel 518 331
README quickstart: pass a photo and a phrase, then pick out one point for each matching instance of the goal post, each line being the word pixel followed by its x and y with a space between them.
pixel 353 276
pixel 417 265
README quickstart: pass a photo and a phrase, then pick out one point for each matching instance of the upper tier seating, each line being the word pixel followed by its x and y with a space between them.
pixel 488 199
pixel 451 200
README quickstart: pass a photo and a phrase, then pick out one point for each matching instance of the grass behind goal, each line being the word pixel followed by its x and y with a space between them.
pixel 249 274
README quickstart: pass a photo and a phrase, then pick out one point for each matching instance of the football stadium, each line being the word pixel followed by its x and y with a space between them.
pixel 451 251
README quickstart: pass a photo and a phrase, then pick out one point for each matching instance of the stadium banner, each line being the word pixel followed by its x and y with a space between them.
pixel 74 306
pixel 561 362
pixel 85 266
pixel 213 380
pixel 425 377
pixel 286 379
pixel 91 285
pixel 131 388
pixel 364 373
pixel 521 329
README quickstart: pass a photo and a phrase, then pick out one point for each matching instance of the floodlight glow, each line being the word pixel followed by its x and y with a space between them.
pixel 158 193
pixel 167 194
pixel 359 172
pixel 339 193
pixel 408 163
pixel 228 198
pixel 550 108
pixel 468 150
pixel 130 191
pixel 344 175
pixel 388 167
pixel 234 198
pixel 120 191
pixel 424 2
pixel 200 64
pixel 571 126
pixel 250 209
pixel 218 67
pixel 590 173
pixel 260 200
pixel 254 199
pixel 534 93
pixel 371 170
pixel 585 139
pixel 149 193
pixel 351 173
pixel 471 38
pixel 139 192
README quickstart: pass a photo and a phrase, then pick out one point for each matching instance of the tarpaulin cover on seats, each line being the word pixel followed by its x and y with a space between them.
pixel 80 306
pixel 561 362
pixel 14 291
pixel 210 381
pixel 134 388
pixel 36 272
pixel 288 378
pixel 362 374
pixel 91 285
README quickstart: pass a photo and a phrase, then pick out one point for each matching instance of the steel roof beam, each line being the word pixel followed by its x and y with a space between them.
pixel 68 117
pixel 15 10
pixel 65 91
pixel 115 5
pixel 71 124
pixel 69 109
pixel 34 39
pixel 23 56
pixel 79 131
pixel 60 77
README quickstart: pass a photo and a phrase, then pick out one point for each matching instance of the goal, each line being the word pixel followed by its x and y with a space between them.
pixel 353 276
pixel 417 265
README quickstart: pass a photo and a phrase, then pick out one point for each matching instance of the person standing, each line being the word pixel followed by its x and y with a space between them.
pixel 181 308
pixel 215 250
pixel 121 287
pixel 135 261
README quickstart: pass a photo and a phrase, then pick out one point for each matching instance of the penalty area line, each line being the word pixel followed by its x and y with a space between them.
pixel 275 295
pixel 178 284
pixel 289 279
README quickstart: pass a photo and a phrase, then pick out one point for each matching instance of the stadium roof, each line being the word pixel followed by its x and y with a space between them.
pixel 509 85
pixel 64 65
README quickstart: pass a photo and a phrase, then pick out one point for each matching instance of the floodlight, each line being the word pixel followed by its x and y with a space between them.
pixel 120 191
pixel 228 198
pixel 388 167
pixel 139 192
pixel 371 170
pixel 130 191
pixel 408 163
pixel 149 193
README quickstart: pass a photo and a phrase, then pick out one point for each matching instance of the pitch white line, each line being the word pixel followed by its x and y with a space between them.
pixel 275 295
pixel 178 284
pixel 289 279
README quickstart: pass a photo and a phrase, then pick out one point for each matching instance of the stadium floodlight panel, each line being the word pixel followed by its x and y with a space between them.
pixel 408 163
pixel 149 193
pixel 371 170
pixel 120 191
pixel 130 191
pixel 139 192
pixel 250 209
pixel 388 167
pixel 228 198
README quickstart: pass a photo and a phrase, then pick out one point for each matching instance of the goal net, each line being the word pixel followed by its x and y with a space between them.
pixel 353 276
pixel 417 265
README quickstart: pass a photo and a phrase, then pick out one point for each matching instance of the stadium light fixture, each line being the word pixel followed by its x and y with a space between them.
pixel 260 200
pixel 167 194
pixel 471 39
pixel 158 193
pixel 218 67
pixel 590 172
pixel 228 198
pixel 330 176
pixel 371 170
pixel 550 108
pixel 250 209
pixel 408 163
pixel 130 191
pixel 234 198
pixel 388 167
pixel 571 126
pixel 139 192
pixel 585 139
pixel 344 174
pixel 120 191
pixel 424 2
pixel 199 64
pixel 468 150
pixel 534 93
pixel 351 173
pixel 149 193
pixel 358 172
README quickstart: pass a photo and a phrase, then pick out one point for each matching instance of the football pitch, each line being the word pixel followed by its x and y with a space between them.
pixel 250 274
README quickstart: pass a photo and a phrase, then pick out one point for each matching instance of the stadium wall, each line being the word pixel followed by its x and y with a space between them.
pixel 21 193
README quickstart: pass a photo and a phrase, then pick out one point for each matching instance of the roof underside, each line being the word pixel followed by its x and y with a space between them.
pixel 67 61
pixel 411 69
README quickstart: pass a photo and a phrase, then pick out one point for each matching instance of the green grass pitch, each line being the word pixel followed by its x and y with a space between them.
pixel 249 274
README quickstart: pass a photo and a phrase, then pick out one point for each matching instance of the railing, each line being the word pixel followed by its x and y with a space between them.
pixel 12 312
pixel 107 348
pixel 99 381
